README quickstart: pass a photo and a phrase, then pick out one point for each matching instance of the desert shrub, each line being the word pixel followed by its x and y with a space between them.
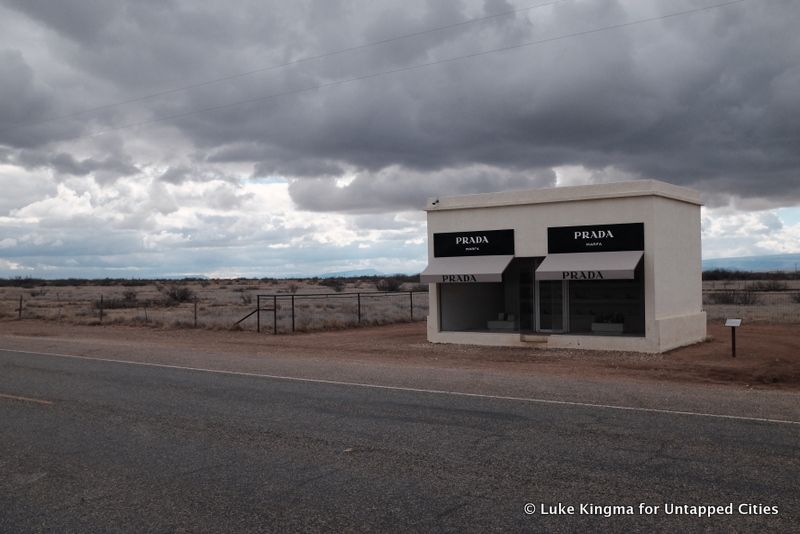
pixel 134 282
pixel 293 287
pixel 392 283
pixel 741 298
pixel 246 298
pixel 337 284
pixel 129 300
pixel 768 285
pixel 176 293
pixel 18 281
pixel 720 297
pixel 730 274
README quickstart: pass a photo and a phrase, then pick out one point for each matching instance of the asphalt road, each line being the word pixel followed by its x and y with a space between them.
pixel 127 448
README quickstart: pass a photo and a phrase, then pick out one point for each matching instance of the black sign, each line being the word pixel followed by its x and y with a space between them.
pixel 486 243
pixel 595 238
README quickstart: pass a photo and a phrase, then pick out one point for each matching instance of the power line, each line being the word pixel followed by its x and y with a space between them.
pixel 413 67
pixel 306 59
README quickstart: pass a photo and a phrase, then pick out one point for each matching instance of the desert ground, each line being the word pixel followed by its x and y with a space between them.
pixel 768 355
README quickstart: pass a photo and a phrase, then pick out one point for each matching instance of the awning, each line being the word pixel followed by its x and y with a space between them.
pixel 590 266
pixel 465 269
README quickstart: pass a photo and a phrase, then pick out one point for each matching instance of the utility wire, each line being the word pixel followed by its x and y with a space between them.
pixel 414 67
pixel 306 59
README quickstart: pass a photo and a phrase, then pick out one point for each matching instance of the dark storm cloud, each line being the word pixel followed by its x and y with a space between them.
pixel 710 100
pixel 64 163
pixel 397 188
pixel 81 20
pixel 24 101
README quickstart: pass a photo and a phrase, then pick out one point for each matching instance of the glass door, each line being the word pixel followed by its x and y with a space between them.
pixel 550 309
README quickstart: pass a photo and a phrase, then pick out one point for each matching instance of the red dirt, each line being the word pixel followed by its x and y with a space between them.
pixel 768 355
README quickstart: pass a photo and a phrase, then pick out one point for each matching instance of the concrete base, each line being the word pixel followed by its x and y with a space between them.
pixel 489 339
pixel 669 333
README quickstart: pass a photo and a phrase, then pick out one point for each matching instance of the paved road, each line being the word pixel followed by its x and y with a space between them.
pixel 151 449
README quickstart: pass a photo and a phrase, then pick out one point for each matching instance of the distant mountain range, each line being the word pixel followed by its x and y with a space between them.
pixel 776 262
pixel 352 274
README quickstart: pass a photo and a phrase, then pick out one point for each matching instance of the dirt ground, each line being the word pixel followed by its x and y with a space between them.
pixel 768 356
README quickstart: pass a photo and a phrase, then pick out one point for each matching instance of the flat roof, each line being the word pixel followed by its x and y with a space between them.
pixel 636 188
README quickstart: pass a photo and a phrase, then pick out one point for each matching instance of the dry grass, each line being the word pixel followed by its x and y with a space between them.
pixel 756 285
pixel 220 304
pixel 753 300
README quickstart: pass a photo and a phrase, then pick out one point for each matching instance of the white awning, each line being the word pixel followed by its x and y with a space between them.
pixel 590 266
pixel 465 269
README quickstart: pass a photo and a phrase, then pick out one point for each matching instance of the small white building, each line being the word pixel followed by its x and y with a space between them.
pixel 612 266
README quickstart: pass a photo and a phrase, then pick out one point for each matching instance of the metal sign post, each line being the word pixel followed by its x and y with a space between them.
pixel 733 324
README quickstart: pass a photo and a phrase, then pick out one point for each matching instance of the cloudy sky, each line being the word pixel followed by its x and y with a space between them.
pixel 267 138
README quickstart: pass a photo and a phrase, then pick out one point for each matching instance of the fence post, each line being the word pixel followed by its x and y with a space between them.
pixel 274 314
pixel 258 313
pixel 359 307
pixel 411 303
pixel 195 312
pixel 292 313
pixel 19 310
pixel 101 309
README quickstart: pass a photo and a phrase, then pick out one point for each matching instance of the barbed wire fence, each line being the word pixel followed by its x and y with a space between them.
pixel 274 313
pixel 286 312
pixel 752 305
pixel 290 313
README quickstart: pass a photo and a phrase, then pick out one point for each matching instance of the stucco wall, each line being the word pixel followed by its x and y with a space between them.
pixel 675 252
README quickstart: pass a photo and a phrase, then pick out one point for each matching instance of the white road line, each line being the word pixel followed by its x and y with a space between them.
pixel 415 390
pixel 25 399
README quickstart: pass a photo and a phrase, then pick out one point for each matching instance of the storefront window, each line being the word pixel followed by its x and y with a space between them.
pixel 476 307
pixel 607 307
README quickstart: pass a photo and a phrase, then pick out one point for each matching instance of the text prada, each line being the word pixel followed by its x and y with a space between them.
pixel 581 275
pixel 594 234
pixel 472 240
pixel 459 278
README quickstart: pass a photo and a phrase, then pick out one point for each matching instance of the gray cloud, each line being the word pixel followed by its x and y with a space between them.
pixel 398 188
pixel 81 20
pixel 64 163
pixel 24 101
pixel 179 174
pixel 708 100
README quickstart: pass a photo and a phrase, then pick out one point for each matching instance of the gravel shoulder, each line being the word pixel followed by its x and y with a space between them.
pixel 768 356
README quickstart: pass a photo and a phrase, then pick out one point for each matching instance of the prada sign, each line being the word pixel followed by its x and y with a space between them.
pixel 595 238
pixel 485 243
pixel 582 275
pixel 459 278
